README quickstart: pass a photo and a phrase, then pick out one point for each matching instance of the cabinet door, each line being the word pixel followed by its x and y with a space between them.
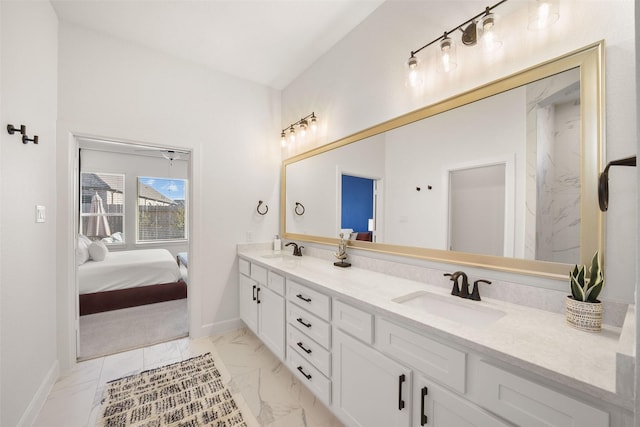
pixel 434 406
pixel 271 320
pixel 248 306
pixel 369 388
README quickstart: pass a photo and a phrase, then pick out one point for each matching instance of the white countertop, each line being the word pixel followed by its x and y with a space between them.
pixel 535 340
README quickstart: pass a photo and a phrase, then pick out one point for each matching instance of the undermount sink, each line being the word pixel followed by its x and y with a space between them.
pixel 452 308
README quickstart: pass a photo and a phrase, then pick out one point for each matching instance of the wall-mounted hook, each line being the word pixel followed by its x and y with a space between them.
pixel 299 209
pixel 603 182
pixel 12 129
pixel 266 208
pixel 26 139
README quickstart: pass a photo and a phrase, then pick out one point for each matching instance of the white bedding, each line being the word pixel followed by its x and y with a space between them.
pixel 128 269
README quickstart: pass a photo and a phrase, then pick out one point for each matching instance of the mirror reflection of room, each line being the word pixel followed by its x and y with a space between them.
pixel 132 250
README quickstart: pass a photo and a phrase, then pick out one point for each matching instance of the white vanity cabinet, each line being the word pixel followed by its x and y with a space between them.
pixel 309 338
pixel 262 306
pixel 369 389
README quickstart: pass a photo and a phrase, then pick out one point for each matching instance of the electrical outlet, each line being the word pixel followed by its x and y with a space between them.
pixel 40 213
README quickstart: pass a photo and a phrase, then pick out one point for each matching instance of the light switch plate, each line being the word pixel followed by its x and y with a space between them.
pixel 40 213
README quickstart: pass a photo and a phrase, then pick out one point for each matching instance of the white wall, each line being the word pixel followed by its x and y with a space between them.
pixel 359 83
pixel 28 50
pixel 115 89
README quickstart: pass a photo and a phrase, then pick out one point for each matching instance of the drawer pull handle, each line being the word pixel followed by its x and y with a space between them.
pixel 307 350
pixel 302 322
pixel 303 298
pixel 423 417
pixel 401 379
pixel 258 295
pixel 307 376
pixel 254 292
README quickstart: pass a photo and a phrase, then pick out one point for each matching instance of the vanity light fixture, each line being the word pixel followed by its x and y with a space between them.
pixel 308 122
pixel 481 28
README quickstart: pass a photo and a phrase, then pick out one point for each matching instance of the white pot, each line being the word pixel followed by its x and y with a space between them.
pixel 586 316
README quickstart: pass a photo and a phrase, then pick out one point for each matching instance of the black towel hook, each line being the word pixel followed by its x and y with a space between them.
pixel 266 208
pixel 603 182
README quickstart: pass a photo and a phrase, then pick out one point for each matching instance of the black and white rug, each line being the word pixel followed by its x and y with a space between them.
pixel 185 394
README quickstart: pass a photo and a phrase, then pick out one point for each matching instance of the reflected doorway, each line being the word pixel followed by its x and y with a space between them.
pixel 359 200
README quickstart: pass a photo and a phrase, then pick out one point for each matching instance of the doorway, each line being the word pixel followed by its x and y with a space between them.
pixel 477 210
pixel 139 196
pixel 359 199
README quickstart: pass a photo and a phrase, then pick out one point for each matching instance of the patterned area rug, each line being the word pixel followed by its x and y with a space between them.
pixel 185 394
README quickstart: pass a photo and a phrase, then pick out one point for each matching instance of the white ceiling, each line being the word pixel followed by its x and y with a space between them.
pixel 266 41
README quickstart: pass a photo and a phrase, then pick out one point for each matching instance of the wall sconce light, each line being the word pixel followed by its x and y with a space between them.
pixel 479 29
pixel 308 122
pixel 543 13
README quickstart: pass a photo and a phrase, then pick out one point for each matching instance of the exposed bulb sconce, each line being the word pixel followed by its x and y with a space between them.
pixel 308 122
pixel 480 29
pixel 543 13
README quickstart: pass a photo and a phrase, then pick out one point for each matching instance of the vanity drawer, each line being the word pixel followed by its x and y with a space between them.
pixel 259 274
pixel 276 283
pixel 353 321
pixel 527 403
pixel 444 364
pixel 311 325
pixel 310 350
pixel 244 267
pixel 313 301
pixel 310 376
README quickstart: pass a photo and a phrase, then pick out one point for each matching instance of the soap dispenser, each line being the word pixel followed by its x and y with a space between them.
pixel 277 244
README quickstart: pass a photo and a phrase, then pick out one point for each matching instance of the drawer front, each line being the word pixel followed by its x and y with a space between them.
pixel 313 301
pixel 310 376
pixel 442 363
pixel 244 266
pixel 527 403
pixel 259 274
pixel 276 283
pixel 311 325
pixel 353 321
pixel 313 352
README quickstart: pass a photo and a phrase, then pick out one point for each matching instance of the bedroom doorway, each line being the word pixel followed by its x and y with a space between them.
pixel 132 251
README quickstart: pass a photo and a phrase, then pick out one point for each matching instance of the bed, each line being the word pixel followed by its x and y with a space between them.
pixel 128 279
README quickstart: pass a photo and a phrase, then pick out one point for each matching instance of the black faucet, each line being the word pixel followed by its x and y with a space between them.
pixel 297 250
pixel 461 291
pixel 475 295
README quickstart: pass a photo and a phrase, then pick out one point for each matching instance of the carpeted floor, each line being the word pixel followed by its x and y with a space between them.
pixel 120 330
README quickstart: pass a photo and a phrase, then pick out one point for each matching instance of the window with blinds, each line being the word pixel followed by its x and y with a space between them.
pixel 162 213
pixel 102 206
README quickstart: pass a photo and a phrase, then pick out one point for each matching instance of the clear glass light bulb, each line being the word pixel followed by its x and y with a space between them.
pixel 413 79
pixel 283 139
pixel 447 54
pixel 490 40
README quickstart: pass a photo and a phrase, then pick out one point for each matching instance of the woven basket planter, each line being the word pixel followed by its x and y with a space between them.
pixel 586 316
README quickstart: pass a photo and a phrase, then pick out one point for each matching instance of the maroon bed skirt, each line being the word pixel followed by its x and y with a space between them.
pixel 124 298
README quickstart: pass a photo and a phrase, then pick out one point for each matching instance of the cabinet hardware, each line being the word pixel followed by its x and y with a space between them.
pixel 423 417
pixel 302 322
pixel 401 379
pixel 303 298
pixel 307 376
pixel 307 350
pixel 254 292
pixel 258 295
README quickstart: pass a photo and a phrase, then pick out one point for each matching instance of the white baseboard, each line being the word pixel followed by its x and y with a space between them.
pixel 35 406
pixel 217 328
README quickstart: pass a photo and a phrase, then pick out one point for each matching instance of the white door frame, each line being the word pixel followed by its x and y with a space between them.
pixel 508 161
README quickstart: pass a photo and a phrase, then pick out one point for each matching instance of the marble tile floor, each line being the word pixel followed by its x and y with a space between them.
pixel 274 395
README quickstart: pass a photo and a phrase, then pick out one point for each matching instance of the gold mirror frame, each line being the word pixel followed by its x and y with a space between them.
pixel 590 60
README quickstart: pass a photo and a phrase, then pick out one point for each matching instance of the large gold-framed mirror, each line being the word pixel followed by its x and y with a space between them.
pixel 503 176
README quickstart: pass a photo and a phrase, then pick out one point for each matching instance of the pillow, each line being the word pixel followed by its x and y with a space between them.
pixel 117 237
pixel 85 239
pixel 82 252
pixel 98 251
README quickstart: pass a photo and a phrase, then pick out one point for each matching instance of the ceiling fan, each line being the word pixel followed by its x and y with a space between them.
pixel 169 154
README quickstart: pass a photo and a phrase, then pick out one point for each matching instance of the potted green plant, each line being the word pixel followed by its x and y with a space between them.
pixel 584 311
